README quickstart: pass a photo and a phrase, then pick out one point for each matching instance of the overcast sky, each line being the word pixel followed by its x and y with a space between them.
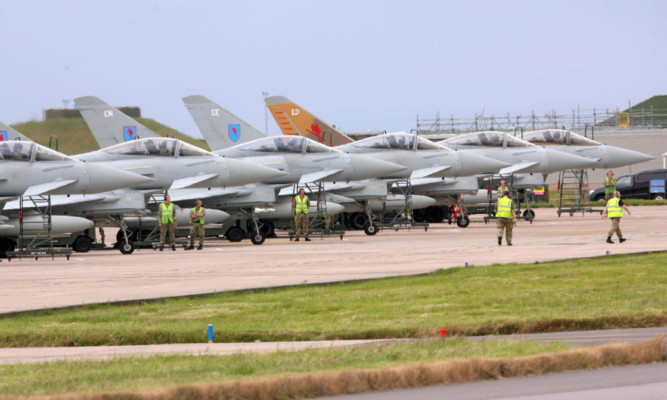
pixel 362 65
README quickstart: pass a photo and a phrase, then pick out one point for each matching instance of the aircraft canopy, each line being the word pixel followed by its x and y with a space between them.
pixel 488 138
pixel 17 150
pixel 558 136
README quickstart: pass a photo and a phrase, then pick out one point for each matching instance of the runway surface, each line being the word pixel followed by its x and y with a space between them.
pixel 15 355
pixel 637 382
pixel 108 276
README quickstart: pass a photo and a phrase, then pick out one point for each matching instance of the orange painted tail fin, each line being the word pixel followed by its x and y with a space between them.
pixel 294 120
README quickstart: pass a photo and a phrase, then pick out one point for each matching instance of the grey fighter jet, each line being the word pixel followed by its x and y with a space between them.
pixel 604 156
pixel 525 157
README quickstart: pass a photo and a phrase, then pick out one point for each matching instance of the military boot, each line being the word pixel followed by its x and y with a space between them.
pixel 173 248
pixel 192 247
pixel 500 241
pixel 609 240
pixel 622 240
pixel 200 247
pixel 161 248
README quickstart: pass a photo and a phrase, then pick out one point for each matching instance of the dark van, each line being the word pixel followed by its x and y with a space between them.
pixel 642 185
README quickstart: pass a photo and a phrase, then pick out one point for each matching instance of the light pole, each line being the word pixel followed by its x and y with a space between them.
pixel 266 115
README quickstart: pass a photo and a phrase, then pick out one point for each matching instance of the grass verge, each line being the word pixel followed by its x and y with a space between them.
pixel 311 373
pixel 606 292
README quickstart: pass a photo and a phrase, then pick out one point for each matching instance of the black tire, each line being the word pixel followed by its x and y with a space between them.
pixel 82 244
pixel 235 234
pixel 257 238
pixel 358 221
pixel 462 221
pixel 126 248
pixel 267 228
pixel 434 214
pixel 5 246
pixel 659 197
pixel 371 229
pixel 419 215
pixel 526 213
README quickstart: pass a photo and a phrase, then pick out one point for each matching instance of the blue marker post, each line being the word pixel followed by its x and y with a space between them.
pixel 210 333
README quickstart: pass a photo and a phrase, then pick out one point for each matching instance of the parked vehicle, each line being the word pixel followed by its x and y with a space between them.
pixel 642 185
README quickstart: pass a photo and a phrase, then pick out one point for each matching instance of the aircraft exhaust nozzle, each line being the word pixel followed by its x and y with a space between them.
pixel 472 164
pixel 368 168
pixel 561 161
pixel 243 173
pixel 619 157
pixel 105 179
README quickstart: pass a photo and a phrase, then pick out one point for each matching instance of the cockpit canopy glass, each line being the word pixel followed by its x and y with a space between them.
pixel 314 147
pixel 488 138
pixel 16 150
pixel 558 136
pixel 160 147
pixel 45 154
pixel 188 150
pixel 283 144
pixel 397 141
pixel 425 144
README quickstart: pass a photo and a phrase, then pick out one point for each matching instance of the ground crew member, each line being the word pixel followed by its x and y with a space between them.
pixel 506 218
pixel 197 215
pixel 301 204
pixel 502 189
pixel 614 210
pixel 609 186
pixel 167 222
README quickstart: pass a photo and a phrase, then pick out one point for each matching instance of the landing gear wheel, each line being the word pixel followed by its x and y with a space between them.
pixel 434 214
pixel 5 246
pixel 257 238
pixel 371 229
pixel 82 244
pixel 235 234
pixel 126 248
pixel 530 213
pixel 358 221
pixel 267 228
pixel 462 221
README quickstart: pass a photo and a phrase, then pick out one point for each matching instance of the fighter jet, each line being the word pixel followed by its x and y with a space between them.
pixel 604 156
pixel 525 157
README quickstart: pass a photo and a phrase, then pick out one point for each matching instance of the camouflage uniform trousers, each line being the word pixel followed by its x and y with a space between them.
pixel 615 227
pixel 197 230
pixel 505 224
pixel 163 232
pixel 301 222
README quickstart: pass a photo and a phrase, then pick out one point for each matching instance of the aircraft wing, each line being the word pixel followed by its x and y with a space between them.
pixel 428 172
pixel 192 180
pixel 60 200
pixel 517 168
pixel 47 187
pixel 316 176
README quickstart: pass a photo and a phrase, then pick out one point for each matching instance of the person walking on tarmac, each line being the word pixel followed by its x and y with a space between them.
pixel 506 218
pixel 609 186
pixel 614 210
pixel 167 222
pixel 300 205
pixel 197 215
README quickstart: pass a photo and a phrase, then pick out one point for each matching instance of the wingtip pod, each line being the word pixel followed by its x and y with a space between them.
pixel 104 179
pixel 242 173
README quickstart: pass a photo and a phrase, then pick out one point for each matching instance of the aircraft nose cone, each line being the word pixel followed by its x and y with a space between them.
pixel 419 201
pixel 561 161
pixel 472 164
pixel 243 173
pixel 368 168
pixel 619 157
pixel 104 179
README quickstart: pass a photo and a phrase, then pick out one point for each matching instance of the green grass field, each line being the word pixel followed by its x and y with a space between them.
pixel 492 299
pixel 129 374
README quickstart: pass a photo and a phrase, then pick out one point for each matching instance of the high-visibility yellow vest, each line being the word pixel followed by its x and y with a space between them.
pixel 504 208
pixel 167 213
pixel 609 185
pixel 301 205
pixel 201 219
pixel 614 210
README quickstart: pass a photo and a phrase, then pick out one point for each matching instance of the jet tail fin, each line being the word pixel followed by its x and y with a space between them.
pixel 294 120
pixel 9 133
pixel 109 125
pixel 221 129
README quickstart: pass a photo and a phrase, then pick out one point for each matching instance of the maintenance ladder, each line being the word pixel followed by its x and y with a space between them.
pixel 573 192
